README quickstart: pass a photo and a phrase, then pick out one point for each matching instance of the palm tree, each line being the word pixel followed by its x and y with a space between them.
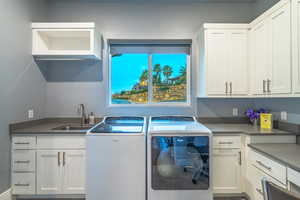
pixel 157 76
pixel 182 71
pixel 144 75
pixel 167 71
pixel 182 74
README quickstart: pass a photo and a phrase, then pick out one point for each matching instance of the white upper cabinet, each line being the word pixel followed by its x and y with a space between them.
pixel 64 41
pixel 226 59
pixel 259 59
pixel 216 44
pixel 280 80
pixel 270 41
pixel 238 58
pixel 296 45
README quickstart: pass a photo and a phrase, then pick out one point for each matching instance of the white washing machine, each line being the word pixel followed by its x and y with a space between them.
pixel 116 159
pixel 179 159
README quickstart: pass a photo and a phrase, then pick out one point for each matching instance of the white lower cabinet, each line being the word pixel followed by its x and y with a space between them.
pixel 226 171
pixel 227 164
pixel 261 167
pixel 60 172
pixel 23 183
pixel 51 165
pixel 74 172
pixel 49 172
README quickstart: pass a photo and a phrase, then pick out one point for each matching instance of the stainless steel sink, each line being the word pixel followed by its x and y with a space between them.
pixel 70 128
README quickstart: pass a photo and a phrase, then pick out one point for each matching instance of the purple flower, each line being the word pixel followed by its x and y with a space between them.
pixel 254 114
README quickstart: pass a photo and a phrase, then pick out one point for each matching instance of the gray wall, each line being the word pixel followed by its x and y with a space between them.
pixel 70 84
pixel 290 105
pixel 22 85
pixel 261 6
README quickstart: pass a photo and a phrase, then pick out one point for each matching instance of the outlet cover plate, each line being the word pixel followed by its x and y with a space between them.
pixel 30 114
pixel 283 115
pixel 235 111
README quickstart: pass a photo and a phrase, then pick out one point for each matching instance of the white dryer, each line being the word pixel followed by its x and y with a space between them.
pixel 179 159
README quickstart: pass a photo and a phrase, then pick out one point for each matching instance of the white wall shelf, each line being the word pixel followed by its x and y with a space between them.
pixel 65 41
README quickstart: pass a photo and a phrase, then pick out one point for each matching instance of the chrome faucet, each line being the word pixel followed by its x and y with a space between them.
pixel 82 112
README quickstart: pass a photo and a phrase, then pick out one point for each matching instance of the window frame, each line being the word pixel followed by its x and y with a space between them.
pixel 150 86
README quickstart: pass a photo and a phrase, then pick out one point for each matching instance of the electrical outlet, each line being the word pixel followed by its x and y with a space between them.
pixel 235 112
pixel 30 114
pixel 283 116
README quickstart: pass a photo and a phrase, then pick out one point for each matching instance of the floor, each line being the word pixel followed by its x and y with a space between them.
pixel 229 198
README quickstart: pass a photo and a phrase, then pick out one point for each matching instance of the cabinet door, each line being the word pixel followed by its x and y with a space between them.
pixel 260 58
pixel 49 172
pixel 281 81
pixel 296 44
pixel 216 61
pixel 238 62
pixel 74 171
pixel 226 171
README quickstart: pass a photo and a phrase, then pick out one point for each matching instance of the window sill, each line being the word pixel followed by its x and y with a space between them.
pixel 185 105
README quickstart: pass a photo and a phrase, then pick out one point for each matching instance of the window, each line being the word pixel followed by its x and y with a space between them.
pixel 149 73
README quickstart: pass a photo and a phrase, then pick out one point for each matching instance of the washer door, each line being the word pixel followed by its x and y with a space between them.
pixel 180 163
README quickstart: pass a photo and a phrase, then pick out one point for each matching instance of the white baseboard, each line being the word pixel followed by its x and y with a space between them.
pixel 6 195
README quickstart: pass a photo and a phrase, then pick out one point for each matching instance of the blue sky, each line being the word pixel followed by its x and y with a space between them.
pixel 126 69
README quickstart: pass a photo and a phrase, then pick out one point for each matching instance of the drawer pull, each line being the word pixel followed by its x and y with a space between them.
pixel 21 161
pixel 225 142
pixel 20 184
pixel 263 165
pixel 64 158
pixel 259 191
pixel 240 158
pixel 22 143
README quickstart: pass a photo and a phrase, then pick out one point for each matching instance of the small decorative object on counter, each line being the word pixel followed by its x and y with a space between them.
pixel 92 119
pixel 266 121
pixel 254 115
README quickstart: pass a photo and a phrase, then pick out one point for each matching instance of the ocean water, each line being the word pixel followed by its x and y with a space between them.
pixel 120 101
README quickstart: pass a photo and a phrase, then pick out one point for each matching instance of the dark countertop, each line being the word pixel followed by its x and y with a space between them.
pixel 287 154
pixel 46 126
pixel 231 129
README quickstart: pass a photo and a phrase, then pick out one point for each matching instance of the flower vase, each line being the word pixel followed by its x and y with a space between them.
pixel 254 122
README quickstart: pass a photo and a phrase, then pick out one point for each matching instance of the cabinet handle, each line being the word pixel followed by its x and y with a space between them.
pixel 268 85
pixel 21 184
pixel 58 158
pixel 226 88
pixel 22 143
pixel 240 158
pixel 225 142
pixel 64 158
pixel 263 165
pixel 260 191
pixel 264 86
pixel 22 161
pixel 230 88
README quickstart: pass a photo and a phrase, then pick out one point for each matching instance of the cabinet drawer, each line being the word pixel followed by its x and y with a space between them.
pixel 23 142
pixel 293 176
pixel 23 160
pixel 256 181
pixel 229 142
pixel 23 183
pixel 270 167
pixel 61 142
